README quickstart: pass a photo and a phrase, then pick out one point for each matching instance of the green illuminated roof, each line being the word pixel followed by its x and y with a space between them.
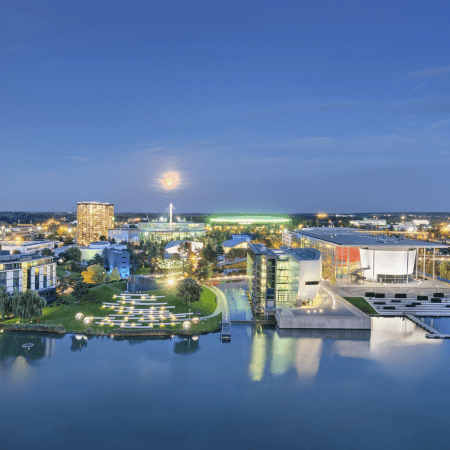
pixel 249 219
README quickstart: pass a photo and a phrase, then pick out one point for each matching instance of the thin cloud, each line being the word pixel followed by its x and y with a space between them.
pixel 432 72
pixel 80 158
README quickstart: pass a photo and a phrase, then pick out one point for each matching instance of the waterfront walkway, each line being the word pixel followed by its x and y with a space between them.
pixel 237 300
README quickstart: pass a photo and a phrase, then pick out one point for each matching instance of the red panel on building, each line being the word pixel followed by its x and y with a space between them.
pixel 342 254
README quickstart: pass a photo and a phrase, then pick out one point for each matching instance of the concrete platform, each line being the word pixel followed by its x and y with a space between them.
pixel 332 313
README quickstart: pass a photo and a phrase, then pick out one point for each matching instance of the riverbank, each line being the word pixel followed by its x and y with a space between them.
pixel 59 316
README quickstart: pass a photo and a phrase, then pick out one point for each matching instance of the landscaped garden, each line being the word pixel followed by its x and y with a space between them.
pixel 361 304
pixel 64 310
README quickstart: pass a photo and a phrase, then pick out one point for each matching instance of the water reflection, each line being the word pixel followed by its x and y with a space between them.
pixel 78 342
pixel 187 345
pixel 259 354
pixel 11 346
pixel 398 345
pixel 390 342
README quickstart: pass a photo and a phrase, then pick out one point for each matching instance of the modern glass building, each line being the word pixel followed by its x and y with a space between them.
pixel 165 231
pixel 282 276
pixel 350 256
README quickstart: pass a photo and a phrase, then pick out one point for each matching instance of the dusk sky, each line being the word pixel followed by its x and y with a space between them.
pixel 280 106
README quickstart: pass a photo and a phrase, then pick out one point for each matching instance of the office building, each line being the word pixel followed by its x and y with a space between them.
pixel 279 277
pixel 26 272
pixel 116 256
pixel 93 221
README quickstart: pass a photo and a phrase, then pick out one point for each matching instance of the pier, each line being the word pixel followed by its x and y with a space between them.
pixel 432 332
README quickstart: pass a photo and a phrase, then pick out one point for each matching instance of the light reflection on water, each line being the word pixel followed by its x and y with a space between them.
pixel 267 388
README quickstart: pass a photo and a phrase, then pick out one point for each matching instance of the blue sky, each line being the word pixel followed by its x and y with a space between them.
pixel 281 106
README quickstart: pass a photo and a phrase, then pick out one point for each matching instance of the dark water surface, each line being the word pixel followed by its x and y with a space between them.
pixel 388 389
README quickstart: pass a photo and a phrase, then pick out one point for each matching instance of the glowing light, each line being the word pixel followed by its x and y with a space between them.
pixel 79 316
pixel 170 180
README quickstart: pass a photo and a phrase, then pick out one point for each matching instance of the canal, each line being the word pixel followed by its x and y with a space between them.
pixel 388 389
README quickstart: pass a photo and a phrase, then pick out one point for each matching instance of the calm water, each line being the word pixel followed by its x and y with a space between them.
pixel 389 389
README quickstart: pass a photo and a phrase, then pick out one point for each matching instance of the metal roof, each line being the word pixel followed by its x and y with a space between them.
pixel 348 237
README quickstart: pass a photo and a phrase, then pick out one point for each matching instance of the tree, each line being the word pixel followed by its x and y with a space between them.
pixel 68 240
pixel 5 303
pixel 72 254
pixel 219 250
pixel 16 252
pixel 47 252
pixel 94 274
pixel 443 269
pixel 189 291
pixel 209 253
pixel 27 305
pixel 235 253
pixel 97 259
pixel 80 290
pixel 103 238
pixel 114 275
pixel 203 271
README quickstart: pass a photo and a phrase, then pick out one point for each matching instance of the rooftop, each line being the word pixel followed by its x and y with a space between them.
pixel 249 218
pixel 234 242
pixel 349 237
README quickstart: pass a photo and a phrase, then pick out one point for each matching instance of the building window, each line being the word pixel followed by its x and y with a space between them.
pixel 311 283
pixel 3 278
pixel 16 279
pixel 36 279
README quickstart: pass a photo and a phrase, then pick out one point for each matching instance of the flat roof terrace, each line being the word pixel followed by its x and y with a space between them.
pixel 347 237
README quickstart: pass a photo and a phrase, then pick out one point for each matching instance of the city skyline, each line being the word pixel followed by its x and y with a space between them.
pixel 260 108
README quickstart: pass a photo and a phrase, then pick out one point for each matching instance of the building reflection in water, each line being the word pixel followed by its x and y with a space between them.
pixel 259 354
pixel 282 350
pixel 396 344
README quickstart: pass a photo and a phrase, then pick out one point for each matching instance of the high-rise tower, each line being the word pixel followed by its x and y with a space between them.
pixel 94 219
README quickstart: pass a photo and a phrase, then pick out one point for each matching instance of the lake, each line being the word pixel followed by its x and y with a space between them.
pixel 266 389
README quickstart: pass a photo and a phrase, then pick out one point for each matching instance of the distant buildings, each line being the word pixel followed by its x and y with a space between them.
pixel 93 221
pixel 27 246
pixel 125 234
pixel 368 223
pixel 26 272
pixel 18 233
pixel 164 231
pixel 269 220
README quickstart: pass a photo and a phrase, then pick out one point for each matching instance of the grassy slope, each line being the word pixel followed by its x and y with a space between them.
pixel 64 314
pixel 361 304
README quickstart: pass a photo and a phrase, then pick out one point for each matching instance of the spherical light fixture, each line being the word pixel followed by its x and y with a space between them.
pixel 79 316
pixel 186 325
pixel 195 320
pixel 87 320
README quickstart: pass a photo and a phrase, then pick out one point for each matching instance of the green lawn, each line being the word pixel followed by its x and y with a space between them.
pixel 361 304
pixel 61 270
pixel 61 313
